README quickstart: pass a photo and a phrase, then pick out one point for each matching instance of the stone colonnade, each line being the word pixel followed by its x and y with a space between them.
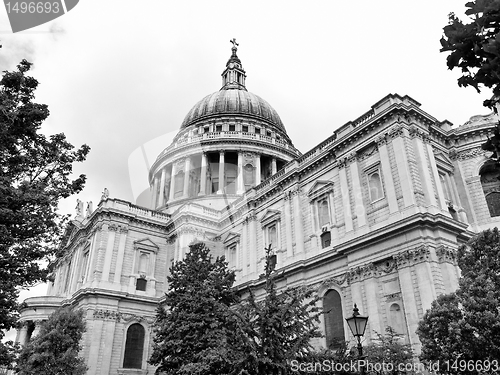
pixel 222 172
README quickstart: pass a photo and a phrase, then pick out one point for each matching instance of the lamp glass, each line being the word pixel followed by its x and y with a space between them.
pixel 357 324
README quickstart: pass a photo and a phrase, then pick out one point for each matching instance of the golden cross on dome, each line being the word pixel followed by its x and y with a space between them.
pixel 234 42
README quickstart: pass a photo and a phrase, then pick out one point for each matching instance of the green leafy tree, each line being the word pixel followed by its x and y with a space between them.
pixel 277 329
pixel 34 175
pixel 54 351
pixel 465 326
pixel 196 331
pixel 390 351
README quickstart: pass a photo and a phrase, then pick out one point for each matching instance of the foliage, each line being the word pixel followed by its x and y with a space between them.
pixel 54 350
pixel 465 326
pixel 475 46
pixel 277 329
pixel 388 349
pixel 34 176
pixel 195 328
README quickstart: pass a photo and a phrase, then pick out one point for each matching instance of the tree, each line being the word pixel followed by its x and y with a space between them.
pixel 444 334
pixel 277 329
pixel 465 326
pixel 475 48
pixel 195 328
pixel 54 350
pixel 389 351
pixel 34 175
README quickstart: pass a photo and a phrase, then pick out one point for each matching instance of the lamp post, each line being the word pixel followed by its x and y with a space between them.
pixel 357 324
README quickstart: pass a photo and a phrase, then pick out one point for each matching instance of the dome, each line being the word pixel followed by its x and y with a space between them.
pixel 233 101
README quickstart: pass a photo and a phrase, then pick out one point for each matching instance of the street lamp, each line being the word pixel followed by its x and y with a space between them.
pixel 357 324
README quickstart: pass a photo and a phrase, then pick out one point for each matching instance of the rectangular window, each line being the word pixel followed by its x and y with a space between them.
pixel 218 128
pixel 232 128
pixel 244 128
pixel 257 130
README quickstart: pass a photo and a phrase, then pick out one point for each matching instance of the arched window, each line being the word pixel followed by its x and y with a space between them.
pixel 323 212
pixel 273 238
pixel 334 319
pixel 248 176
pixel 375 184
pixel 134 346
pixel 396 318
pixel 490 174
pixel 143 263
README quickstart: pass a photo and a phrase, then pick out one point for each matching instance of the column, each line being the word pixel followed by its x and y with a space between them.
pixel 107 349
pixel 187 170
pixel 23 333
pixel 240 186
pixel 221 173
pixel 423 167
pixel 344 189
pixel 172 182
pixel 274 169
pixel 299 227
pixel 36 331
pixel 109 252
pixel 359 208
pixel 154 193
pixel 385 165
pixel 403 169
pixel 257 170
pixel 288 225
pixel 203 182
pixel 435 175
pixel 120 255
pixel 161 199
pixel 94 344
pixel 372 303
pixel 93 255
pixel 252 232
pixel 409 300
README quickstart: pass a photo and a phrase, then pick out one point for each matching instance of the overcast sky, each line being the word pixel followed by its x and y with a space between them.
pixel 118 75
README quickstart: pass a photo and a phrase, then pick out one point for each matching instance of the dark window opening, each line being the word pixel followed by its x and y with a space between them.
pixel 334 320
pixel 140 284
pixel 134 347
pixel 218 128
pixel 490 181
pixel 257 130
pixel 326 239
pixel 244 128
pixel 232 128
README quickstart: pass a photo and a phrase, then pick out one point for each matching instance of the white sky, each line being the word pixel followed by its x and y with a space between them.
pixel 119 74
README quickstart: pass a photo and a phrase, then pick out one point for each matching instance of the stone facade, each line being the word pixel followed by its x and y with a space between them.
pixel 373 215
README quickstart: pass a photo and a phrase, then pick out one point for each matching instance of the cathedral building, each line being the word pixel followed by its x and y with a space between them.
pixel 373 216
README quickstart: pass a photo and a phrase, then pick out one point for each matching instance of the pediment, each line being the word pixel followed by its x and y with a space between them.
pixel 319 188
pixel 443 160
pixel 230 238
pixel 147 244
pixel 270 215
